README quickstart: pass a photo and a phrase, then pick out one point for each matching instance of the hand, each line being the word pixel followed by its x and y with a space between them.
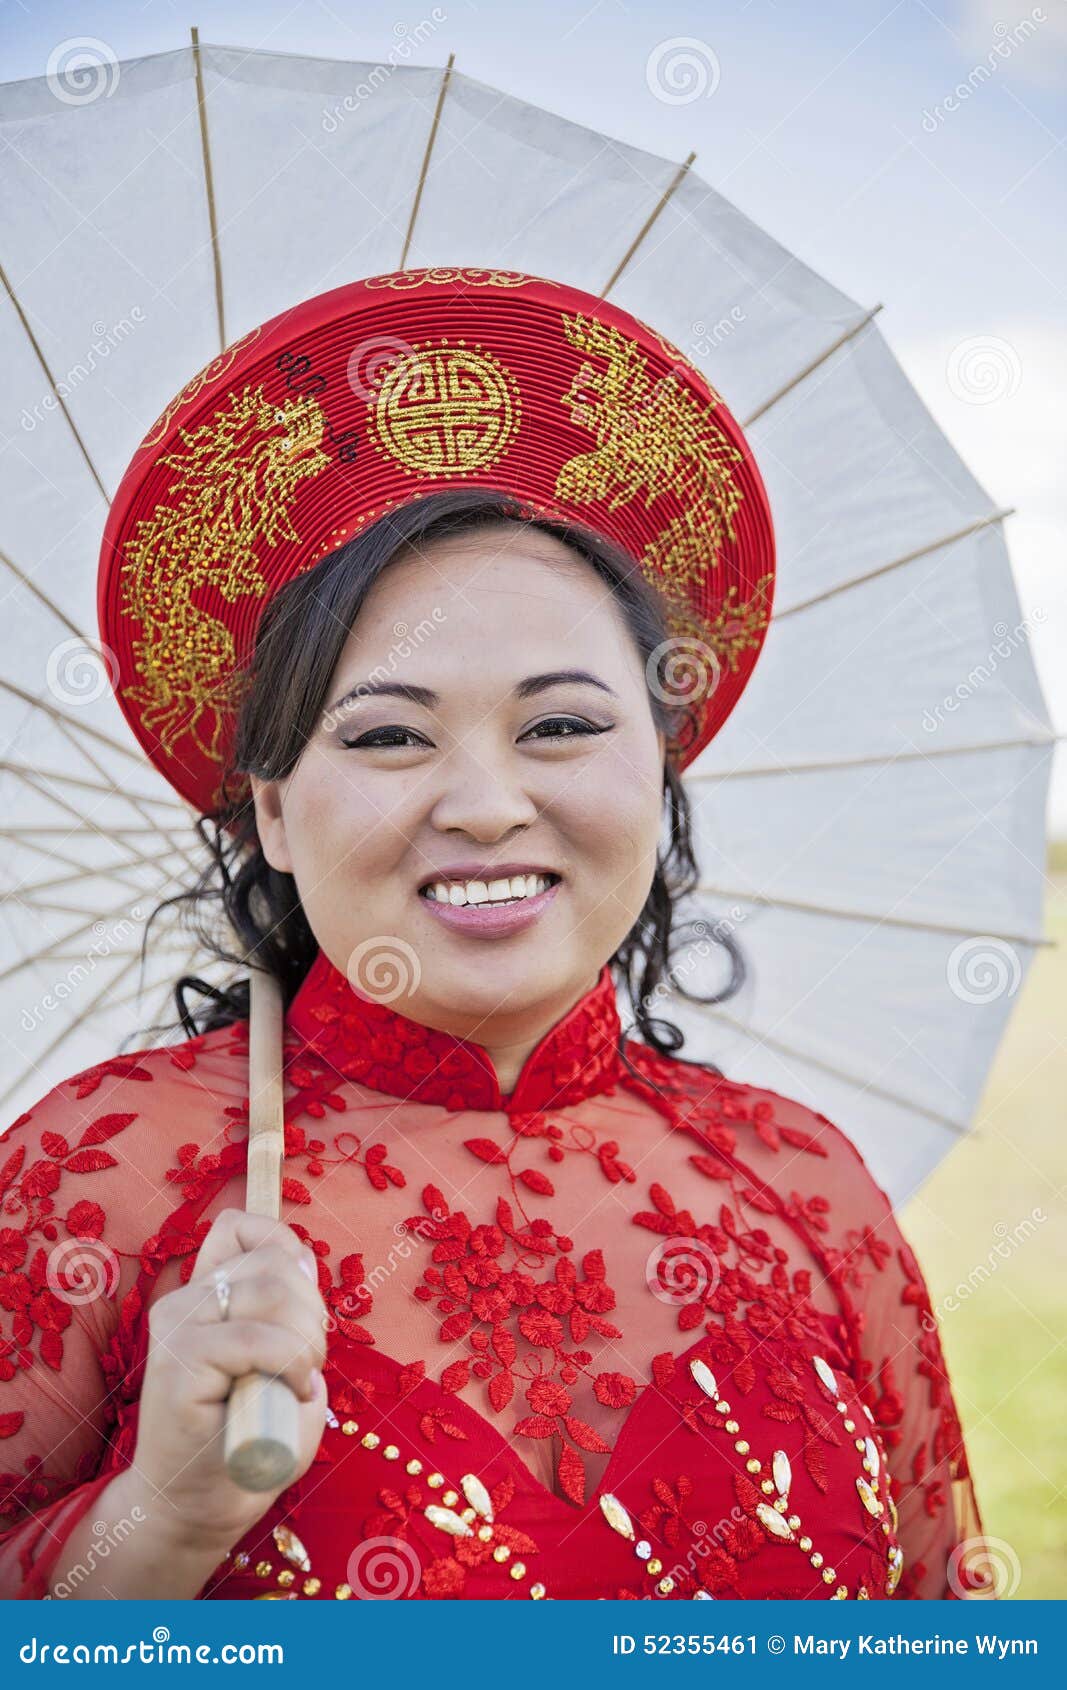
pixel 276 1324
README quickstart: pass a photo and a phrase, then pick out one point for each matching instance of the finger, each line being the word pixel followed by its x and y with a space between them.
pixel 265 1284
pixel 225 1352
pixel 233 1231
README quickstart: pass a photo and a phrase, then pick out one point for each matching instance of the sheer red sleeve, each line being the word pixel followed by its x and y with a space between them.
pixel 893 1332
pixel 83 1184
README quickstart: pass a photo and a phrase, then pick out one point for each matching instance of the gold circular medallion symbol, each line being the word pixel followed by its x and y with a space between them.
pixel 447 410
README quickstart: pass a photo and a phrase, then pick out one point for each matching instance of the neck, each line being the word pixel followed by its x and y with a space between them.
pixel 509 1037
pixel 570 1052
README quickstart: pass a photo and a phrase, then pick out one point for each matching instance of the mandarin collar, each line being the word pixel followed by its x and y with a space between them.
pixel 378 1046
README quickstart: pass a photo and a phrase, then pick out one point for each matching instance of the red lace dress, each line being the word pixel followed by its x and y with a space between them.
pixel 631 1330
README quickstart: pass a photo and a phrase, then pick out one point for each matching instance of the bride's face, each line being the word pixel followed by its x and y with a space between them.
pixel 487 761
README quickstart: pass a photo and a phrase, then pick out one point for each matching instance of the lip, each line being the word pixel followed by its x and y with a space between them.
pixel 492 921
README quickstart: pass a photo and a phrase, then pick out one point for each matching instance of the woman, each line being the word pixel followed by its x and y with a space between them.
pixel 567 1314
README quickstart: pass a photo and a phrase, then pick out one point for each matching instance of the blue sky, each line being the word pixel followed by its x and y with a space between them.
pixel 830 126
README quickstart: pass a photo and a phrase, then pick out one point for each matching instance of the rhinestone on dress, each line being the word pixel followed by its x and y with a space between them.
pixel 616 1516
pixel 704 1377
pixel 825 1373
pixel 446 1520
pixel 477 1495
pixel 773 1522
pixel 292 1548
pixel 868 1498
pixel 782 1472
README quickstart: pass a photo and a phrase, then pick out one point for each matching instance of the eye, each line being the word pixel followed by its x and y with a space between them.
pixel 379 738
pixel 573 726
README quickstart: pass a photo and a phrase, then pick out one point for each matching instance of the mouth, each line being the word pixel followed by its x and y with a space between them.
pixel 499 892
pixel 497 907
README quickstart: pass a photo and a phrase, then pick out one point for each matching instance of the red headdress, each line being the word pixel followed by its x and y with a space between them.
pixel 315 424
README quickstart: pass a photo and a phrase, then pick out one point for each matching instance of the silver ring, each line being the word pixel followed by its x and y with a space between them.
pixel 222 1292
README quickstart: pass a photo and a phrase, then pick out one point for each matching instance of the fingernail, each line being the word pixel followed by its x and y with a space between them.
pixel 307 1267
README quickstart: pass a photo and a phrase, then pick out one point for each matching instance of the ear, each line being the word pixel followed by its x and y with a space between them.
pixel 270 823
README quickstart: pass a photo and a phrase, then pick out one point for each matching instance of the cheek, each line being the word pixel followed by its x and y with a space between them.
pixel 329 819
pixel 613 812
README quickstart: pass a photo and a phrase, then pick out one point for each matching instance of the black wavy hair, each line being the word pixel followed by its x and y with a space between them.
pixel 240 905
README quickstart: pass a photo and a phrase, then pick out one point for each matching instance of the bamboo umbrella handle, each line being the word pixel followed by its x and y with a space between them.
pixel 261 1439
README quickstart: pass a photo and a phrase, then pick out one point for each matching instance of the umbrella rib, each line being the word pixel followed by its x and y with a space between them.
pixel 802 375
pixel 866 915
pixel 880 757
pixel 431 138
pixel 51 380
pixel 31 833
pixel 667 194
pixel 32 779
pixel 28 889
pixel 7 765
pixel 65 722
pixel 71 1027
pixel 958 1128
pixel 84 871
pixel 132 997
pixel 66 727
pixel 209 185
pixel 60 615
pixel 975 527
pixel 45 953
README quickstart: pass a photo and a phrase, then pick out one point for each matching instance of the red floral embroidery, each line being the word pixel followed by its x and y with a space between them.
pixel 508 1282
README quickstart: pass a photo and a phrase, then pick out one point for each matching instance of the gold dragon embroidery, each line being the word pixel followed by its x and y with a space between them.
pixel 651 437
pixel 235 477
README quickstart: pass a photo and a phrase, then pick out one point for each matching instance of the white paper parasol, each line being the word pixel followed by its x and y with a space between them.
pixel 870 822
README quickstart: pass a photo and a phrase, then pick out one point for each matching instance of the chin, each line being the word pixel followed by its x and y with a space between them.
pixel 481 990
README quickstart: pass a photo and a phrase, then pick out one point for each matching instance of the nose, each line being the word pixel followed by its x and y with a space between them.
pixel 482 796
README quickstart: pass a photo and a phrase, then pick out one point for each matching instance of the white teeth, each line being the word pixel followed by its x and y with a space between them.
pixel 488 892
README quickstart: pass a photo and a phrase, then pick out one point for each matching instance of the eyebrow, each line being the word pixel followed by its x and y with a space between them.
pixel 528 688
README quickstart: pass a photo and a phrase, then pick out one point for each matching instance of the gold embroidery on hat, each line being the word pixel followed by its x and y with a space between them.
pixel 446 410
pixel 404 280
pixel 679 359
pixel 651 438
pixel 210 372
pixel 235 476
pixel 734 626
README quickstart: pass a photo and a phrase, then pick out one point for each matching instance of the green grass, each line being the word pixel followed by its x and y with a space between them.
pixel 1005 1340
